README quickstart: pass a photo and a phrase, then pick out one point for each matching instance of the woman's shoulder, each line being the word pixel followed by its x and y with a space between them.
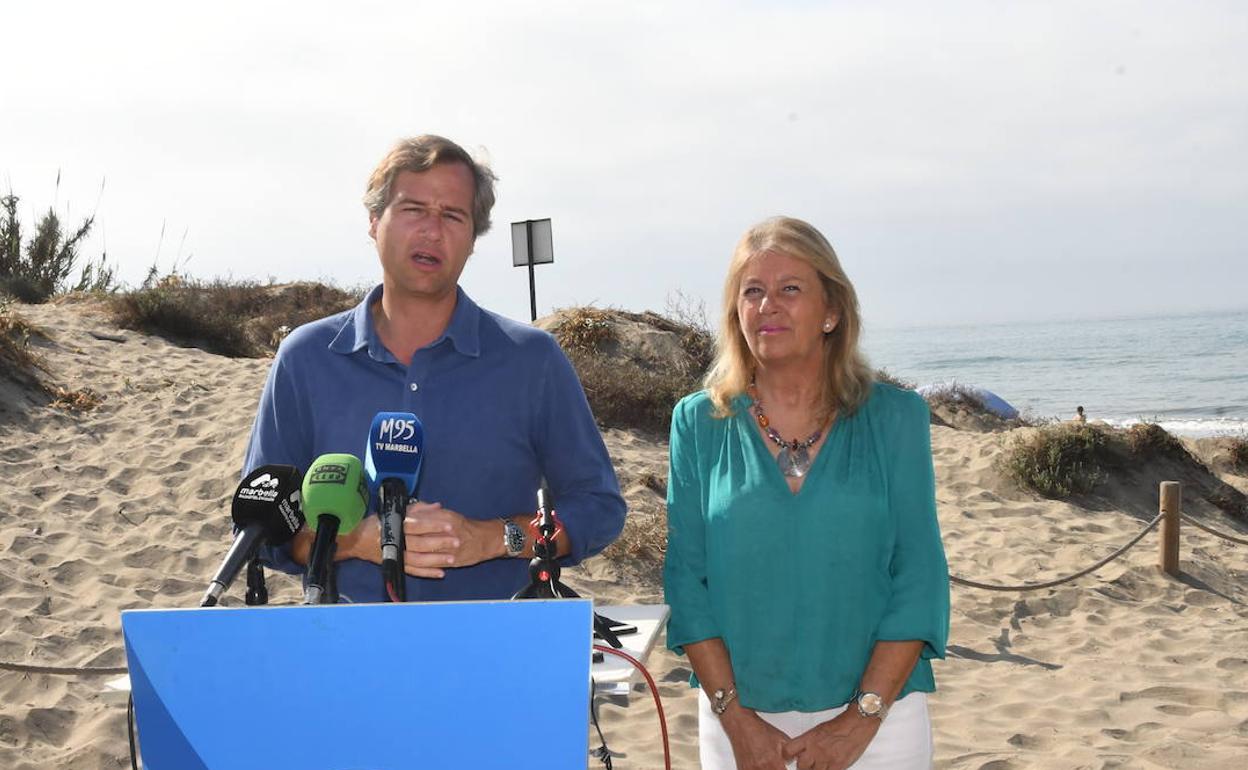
pixel 892 404
pixel 697 412
pixel 693 409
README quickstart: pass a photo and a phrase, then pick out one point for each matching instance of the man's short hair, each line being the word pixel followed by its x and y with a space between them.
pixel 421 153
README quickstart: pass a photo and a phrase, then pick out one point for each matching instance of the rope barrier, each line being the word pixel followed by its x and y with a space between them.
pixel 1068 578
pixel 89 670
pixel 1212 531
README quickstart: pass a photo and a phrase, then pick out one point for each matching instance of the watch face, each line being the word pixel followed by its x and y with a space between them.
pixel 871 703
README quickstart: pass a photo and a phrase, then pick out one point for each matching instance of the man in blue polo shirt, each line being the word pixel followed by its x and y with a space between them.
pixel 500 404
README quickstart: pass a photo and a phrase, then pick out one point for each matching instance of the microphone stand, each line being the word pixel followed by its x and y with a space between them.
pixel 393 500
pixel 257 591
pixel 544 569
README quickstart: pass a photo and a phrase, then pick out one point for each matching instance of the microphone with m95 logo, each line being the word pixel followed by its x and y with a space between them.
pixel 335 496
pixel 265 509
pixel 392 461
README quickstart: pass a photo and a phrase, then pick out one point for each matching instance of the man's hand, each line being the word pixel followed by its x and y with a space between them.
pixel 363 542
pixel 756 744
pixel 437 538
pixel 835 744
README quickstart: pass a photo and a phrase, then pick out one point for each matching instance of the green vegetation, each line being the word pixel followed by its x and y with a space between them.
pixel 38 270
pixel 1059 460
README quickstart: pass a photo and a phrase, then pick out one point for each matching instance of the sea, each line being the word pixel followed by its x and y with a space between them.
pixel 1187 373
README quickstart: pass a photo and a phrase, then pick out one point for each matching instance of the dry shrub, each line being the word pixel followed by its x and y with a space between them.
pixel 17 360
pixel 644 537
pixel 959 397
pixel 1239 454
pixel 623 390
pixel 1146 440
pixel 625 395
pixel 585 330
pixel 1058 460
pixel 230 318
pixel 885 376
pixel 83 400
pixel 639 550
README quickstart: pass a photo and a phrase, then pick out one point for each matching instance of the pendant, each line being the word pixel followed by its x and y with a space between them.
pixel 793 462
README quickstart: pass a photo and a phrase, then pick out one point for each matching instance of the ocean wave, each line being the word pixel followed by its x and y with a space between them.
pixel 945 363
pixel 1193 428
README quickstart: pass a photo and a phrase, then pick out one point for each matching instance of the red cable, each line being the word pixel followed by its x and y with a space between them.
pixel 667 753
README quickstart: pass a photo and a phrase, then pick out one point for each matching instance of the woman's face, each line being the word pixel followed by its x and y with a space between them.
pixel 783 311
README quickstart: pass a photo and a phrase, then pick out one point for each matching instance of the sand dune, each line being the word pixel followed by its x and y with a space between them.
pixel 126 506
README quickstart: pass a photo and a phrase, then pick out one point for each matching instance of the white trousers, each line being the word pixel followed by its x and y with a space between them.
pixel 904 741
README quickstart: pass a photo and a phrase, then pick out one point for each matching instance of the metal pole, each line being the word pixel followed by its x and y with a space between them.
pixel 1171 504
pixel 528 232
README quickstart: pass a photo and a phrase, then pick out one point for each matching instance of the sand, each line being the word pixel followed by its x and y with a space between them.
pixel 126 506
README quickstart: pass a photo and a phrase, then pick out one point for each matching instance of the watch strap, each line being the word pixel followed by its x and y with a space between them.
pixel 513 538
pixel 721 698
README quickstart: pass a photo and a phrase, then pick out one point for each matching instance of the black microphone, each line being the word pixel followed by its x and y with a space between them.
pixel 265 509
pixel 335 495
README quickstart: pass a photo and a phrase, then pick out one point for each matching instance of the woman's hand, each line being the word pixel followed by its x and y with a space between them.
pixel 756 744
pixel 835 744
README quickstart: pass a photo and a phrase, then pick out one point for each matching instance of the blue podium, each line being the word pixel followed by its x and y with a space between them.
pixel 362 686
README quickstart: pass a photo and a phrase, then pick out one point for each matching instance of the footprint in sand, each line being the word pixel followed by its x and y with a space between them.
pixel 51 725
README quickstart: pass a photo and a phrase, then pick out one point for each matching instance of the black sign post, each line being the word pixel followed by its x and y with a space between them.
pixel 531 244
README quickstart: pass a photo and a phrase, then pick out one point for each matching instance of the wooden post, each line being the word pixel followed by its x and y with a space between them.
pixel 1171 507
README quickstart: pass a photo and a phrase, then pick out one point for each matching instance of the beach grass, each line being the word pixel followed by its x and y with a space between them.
pixel 240 319
pixel 20 362
pixel 625 390
pixel 1058 460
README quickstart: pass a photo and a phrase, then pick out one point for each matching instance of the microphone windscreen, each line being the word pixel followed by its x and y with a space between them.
pixel 270 496
pixel 395 449
pixel 335 485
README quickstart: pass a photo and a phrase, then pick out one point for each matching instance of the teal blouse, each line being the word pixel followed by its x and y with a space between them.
pixel 800 587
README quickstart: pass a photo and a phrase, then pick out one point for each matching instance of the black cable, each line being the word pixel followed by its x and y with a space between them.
pixel 134 755
pixel 602 752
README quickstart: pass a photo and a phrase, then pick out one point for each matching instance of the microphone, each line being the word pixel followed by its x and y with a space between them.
pixel 265 508
pixel 335 496
pixel 392 461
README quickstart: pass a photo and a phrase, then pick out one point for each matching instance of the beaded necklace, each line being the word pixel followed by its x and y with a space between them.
pixel 794 456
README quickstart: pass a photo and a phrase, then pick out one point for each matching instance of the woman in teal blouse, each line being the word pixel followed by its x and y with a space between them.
pixel 805 571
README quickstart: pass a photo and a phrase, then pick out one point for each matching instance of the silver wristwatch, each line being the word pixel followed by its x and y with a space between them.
pixel 513 538
pixel 870 704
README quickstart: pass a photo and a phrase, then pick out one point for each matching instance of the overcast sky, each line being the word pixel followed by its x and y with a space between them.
pixel 970 161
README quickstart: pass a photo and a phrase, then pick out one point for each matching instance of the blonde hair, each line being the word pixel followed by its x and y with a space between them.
pixel 421 153
pixel 847 377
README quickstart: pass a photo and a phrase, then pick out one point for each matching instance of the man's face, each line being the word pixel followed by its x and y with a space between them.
pixel 425 234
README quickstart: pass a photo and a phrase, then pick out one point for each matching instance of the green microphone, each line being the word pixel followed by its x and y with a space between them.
pixel 335 496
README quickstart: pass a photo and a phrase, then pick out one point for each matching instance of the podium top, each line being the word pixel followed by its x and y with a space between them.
pixel 361 686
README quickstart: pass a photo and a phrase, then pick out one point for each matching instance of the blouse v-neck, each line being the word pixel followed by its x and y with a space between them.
pixel 748 423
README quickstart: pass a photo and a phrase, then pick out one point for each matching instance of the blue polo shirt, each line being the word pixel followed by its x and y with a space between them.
pixel 501 407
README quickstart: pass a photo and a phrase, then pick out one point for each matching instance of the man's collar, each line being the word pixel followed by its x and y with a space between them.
pixel 359 331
